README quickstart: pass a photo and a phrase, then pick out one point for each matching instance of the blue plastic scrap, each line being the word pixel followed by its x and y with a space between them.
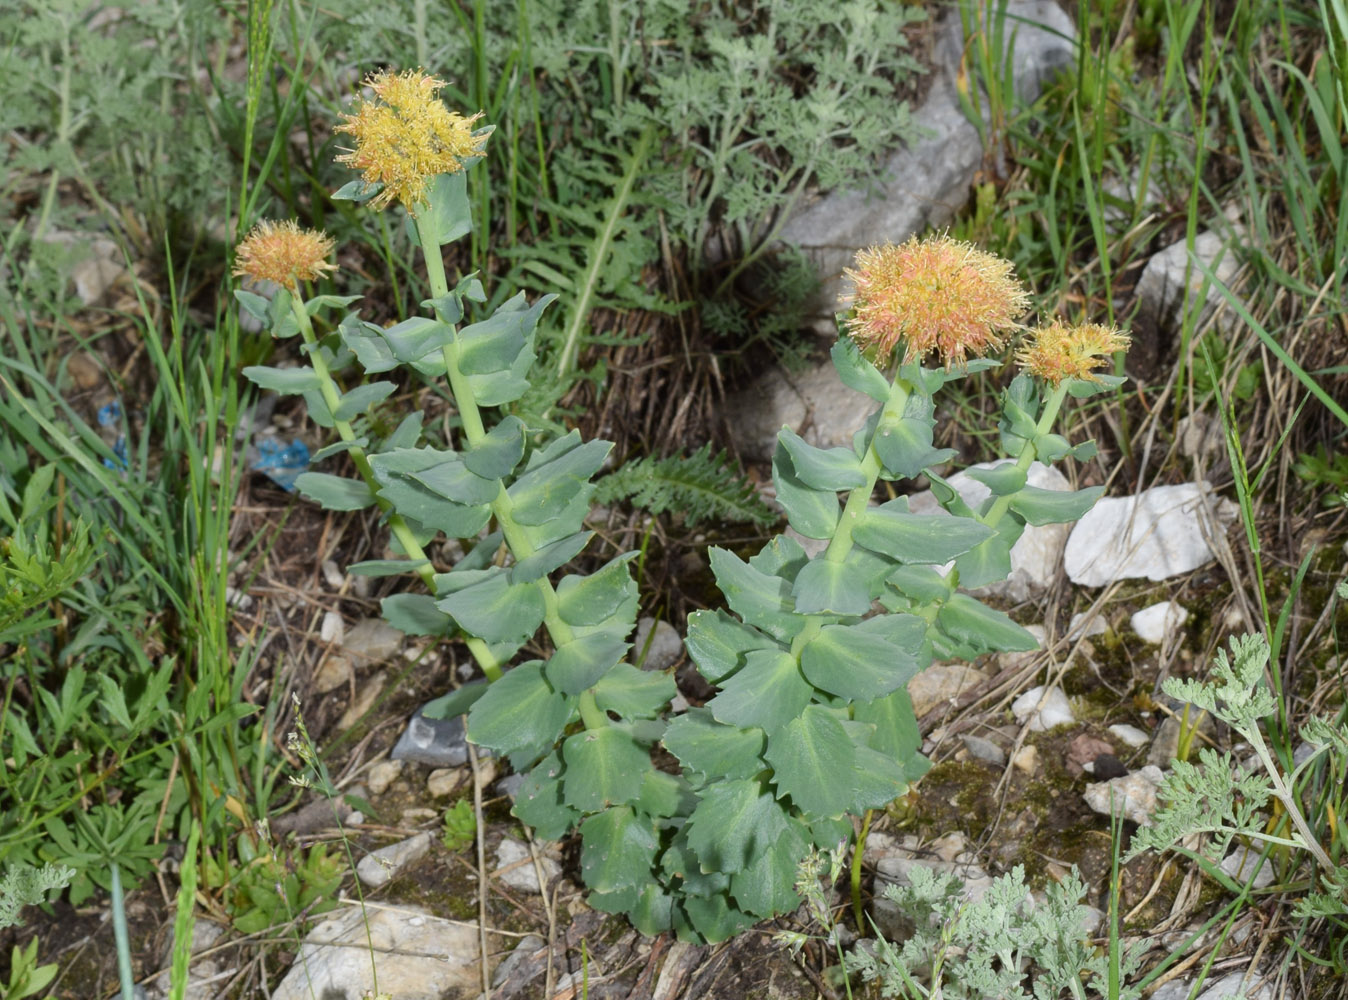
pixel 282 464
pixel 110 416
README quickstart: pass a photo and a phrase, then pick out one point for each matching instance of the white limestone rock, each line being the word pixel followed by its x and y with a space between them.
pixel 941 684
pixel 1159 533
pixel 515 866
pixel 417 957
pixel 1129 735
pixel 1133 795
pixel 1158 622
pixel 378 867
pixel 1242 863
pixel 1043 709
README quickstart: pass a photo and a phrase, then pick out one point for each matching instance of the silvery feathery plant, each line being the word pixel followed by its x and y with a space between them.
pixel 694 823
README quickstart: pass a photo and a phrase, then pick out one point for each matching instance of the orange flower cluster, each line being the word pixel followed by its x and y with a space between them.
pixel 935 294
pixel 406 136
pixel 1058 351
pixel 284 253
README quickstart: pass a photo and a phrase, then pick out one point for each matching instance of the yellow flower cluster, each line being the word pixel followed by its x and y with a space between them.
pixel 406 135
pixel 935 294
pixel 284 253
pixel 1058 351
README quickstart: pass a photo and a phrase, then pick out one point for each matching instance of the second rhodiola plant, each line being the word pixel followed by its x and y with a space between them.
pixel 693 822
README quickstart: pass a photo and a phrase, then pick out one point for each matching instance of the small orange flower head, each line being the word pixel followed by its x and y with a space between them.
pixel 406 135
pixel 935 294
pixel 1058 351
pixel 284 253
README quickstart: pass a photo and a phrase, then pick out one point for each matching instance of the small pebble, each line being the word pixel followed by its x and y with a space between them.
pixel 382 775
pixel 1107 766
pixel 1159 622
pixel 1055 710
pixel 332 576
pixel 1026 760
pixel 446 781
pixel 984 750
pixel 1130 735
pixel 378 867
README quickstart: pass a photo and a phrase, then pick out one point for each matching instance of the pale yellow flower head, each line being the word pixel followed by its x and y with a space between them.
pixel 935 294
pixel 1058 351
pixel 406 135
pixel 284 253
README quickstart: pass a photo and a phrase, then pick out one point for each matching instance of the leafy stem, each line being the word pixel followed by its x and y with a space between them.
pixel 1028 452
pixel 841 542
pixel 327 386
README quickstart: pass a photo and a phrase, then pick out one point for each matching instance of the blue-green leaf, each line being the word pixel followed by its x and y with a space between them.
pixel 361 398
pixel 814 513
pixel 712 749
pixel 855 663
pixel 717 643
pixel 593 599
pixel 917 538
pixel 858 373
pixel 544 491
pixel 447 209
pixel 603 767
pixel 768 692
pixel 761 600
pixel 494 609
pixel 538 802
pixel 973 622
pixel 334 492
pixel 735 822
pixel 500 451
pixel 617 850
pixel 520 711
pixel 1039 506
pixel 813 759
pixel 550 557
pixel 580 663
pixel 831 587
pixel 1000 479
pixel 287 381
pixel 831 469
pixel 453 480
pixel 415 614
pixel 767 887
pixel 633 693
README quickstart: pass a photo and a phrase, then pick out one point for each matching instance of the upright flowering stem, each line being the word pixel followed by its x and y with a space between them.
pixel 327 387
pixel 474 432
pixel 1028 452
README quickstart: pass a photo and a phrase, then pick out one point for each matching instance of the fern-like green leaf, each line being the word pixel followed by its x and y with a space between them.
pixel 702 486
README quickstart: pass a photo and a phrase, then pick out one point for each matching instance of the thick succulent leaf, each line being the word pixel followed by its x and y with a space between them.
pixel 603 767
pixel 831 587
pixel 334 492
pixel 973 622
pixel 447 212
pixel 767 887
pixel 920 584
pixel 356 401
pixel 593 599
pixel 735 822
pixel 579 664
pixel 617 850
pixel 666 795
pixel 858 373
pixel 813 760
pixel 762 600
pixel 287 381
pixel 550 557
pixel 412 500
pixel 895 733
pixel 453 480
pixel 494 609
pixel 420 342
pixel 990 560
pixel 855 663
pixel 633 693
pixel 714 918
pixel 500 451
pixel 495 344
pixel 918 538
pixel 520 710
pixel 1039 506
pixel 544 491
pixel 712 749
pixel 814 513
pixel 1000 479
pixel 717 643
pixel 877 780
pixel 768 692
pixel 539 804
pixel 415 614
pixel 822 469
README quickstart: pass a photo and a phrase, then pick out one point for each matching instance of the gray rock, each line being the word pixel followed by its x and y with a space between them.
pixel 433 742
pixel 528 946
pixel 510 785
pixel 515 866
pixel 378 867
pixel 382 775
pixel 1161 290
pixel 1159 622
pixel 1159 533
pixel 1242 863
pixel 1237 985
pixel 814 403
pixel 1165 743
pixel 666 647
pixel 1134 795
pixel 985 750
pixel 925 183
pixel 1036 555
pixel 204 975
pixel 417 957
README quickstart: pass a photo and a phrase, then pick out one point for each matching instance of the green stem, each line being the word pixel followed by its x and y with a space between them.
pixel 327 387
pixel 856 872
pixel 857 500
pixel 1028 452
